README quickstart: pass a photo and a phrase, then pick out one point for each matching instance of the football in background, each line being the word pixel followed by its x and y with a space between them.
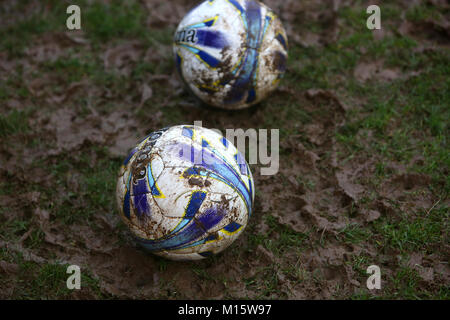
pixel 231 53
pixel 185 193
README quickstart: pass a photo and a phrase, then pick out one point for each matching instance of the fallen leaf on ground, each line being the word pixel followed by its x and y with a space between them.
pixel 374 70
pixel 372 215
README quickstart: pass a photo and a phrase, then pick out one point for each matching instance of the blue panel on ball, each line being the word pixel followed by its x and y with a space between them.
pixel 132 153
pixel 212 39
pixel 251 95
pixel 237 5
pixel 152 183
pixel 194 171
pixel 206 254
pixel 240 160
pixel 212 238
pixel 280 60
pixel 211 217
pixel 209 59
pixel 245 83
pixel 282 40
pixel 187 236
pixel 126 205
pixel 194 205
pixel 225 142
pixel 232 227
pixel 210 161
pixel 141 205
pixel 141 187
pixel 205 143
pixel 202 55
pixel 178 61
pixel 254 23
pixel 188 132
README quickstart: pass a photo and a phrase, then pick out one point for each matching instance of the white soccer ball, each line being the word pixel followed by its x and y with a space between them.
pixel 185 193
pixel 231 53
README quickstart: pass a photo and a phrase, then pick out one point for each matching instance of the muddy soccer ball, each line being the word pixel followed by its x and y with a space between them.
pixel 231 53
pixel 185 193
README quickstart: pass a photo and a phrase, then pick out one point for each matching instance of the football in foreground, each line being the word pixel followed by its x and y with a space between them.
pixel 231 53
pixel 185 193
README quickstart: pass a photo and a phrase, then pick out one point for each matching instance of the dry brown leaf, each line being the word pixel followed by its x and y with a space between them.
pixel 43 215
pixel 327 95
pixel 9 268
pixel 26 254
pixel 315 133
pixel 146 93
pixel 374 70
pixel 415 260
pixel 77 36
pixel 351 189
pixel 120 57
pixel 371 215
